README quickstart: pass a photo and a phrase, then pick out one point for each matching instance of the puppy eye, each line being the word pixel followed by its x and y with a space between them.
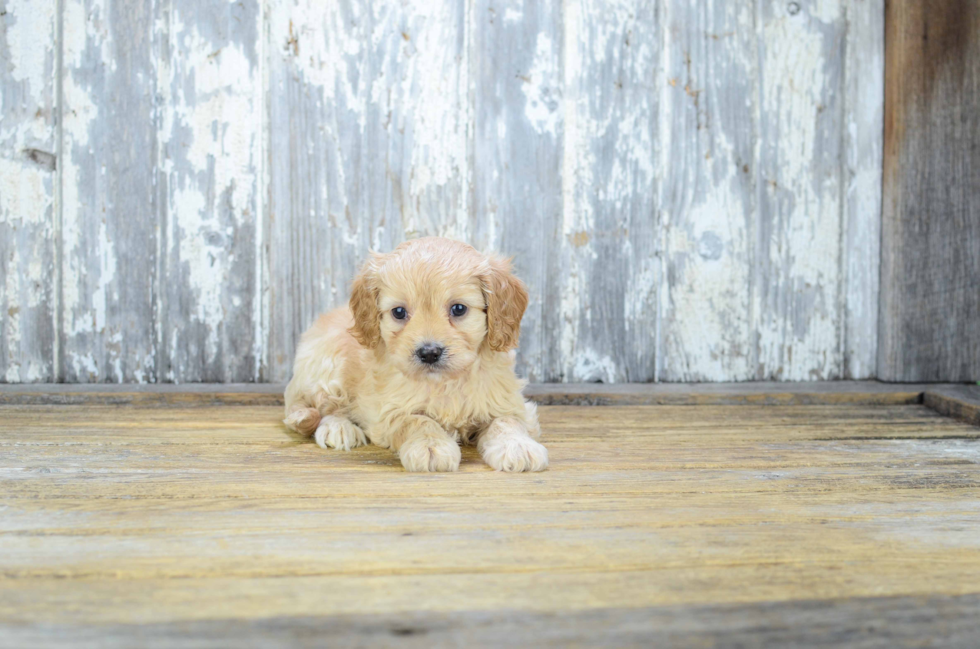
pixel 399 313
pixel 458 310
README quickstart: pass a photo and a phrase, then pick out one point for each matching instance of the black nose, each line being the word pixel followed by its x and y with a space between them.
pixel 429 353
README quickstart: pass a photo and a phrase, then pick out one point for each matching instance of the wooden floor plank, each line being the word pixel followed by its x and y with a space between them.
pixel 113 517
pixel 959 401
pixel 576 394
pixel 951 622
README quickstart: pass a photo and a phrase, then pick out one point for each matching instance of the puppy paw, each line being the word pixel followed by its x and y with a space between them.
pixel 429 454
pixel 513 453
pixel 303 421
pixel 340 433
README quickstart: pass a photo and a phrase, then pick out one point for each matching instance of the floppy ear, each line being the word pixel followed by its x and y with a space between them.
pixel 364 307
pixel 506 300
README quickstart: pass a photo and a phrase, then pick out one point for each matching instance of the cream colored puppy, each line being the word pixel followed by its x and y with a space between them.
pixel 422 360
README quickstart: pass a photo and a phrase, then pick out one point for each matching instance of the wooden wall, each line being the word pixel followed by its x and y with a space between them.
pixel 930 264
pixel 691 188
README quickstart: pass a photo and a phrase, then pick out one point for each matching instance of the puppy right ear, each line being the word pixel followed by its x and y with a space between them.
pixel 364 307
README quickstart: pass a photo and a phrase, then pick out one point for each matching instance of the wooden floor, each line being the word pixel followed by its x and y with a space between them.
pixel 655 525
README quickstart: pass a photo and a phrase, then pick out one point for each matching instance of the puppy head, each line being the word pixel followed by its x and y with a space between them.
pixel 433 305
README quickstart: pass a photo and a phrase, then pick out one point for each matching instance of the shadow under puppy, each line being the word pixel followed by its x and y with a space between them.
pixel 422 360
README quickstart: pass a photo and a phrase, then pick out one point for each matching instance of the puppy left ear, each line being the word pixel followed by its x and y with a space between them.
pixel 506 298
pixel 364 307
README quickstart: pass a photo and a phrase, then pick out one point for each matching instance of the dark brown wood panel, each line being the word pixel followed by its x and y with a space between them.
pixel 929 327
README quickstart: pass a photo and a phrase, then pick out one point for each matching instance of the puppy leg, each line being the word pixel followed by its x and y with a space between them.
pixel 306 410
pixel 303 420
pixel 423 445
pixel 506 445
pixel 339 432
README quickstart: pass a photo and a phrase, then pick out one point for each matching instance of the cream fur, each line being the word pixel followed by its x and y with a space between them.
pixel 356 377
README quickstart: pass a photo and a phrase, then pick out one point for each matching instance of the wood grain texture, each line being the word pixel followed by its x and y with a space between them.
pixel 167 517
pixel 212 143
pixel 369 140
pixel 689 188
pixel 797 236
pixel 930 264
pixel 518 128
pixel 862 128
pixel 577 394
pixel 960 401
pixel 710 125
pixel 109 176
pixel 28 187
pixel 885 622
pixel 609 269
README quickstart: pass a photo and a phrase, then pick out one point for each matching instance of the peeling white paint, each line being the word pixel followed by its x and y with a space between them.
pixel 541 88
pixel 80 118
pixel 592 367
pixel 385 94
pixel 213 132
pixel 25 193
pixel 27 190
pixel 575 173
pixel 27 30
pixel 864 121
pixel 801 342
pixel 709 339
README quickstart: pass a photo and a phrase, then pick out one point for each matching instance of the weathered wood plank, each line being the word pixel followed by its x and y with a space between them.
pixel 211 139
pixel 593 394
pixel 762 521
pixel 959 401
pixel 857 392
pixel 930 264
pixel 689 189
pixel 609 268
pixel 899 622
pixel 369 145
pixel 110 207
pixel 862 128
pixel 797 238
pixel 516 82
pixel 28 185
pixel 711 130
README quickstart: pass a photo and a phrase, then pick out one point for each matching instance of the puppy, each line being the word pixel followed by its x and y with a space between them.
pixel 422 360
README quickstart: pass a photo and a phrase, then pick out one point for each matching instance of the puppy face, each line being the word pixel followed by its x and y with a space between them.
pixel 433 305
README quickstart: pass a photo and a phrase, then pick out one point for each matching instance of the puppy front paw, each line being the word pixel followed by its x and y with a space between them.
pixel 340 433
pixel 424 453
pixel 303 421
pixel 514 453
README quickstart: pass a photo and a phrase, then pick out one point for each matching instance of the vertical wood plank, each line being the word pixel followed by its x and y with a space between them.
pixel 28 150
pixel 554 132
pixel 609 246
pixel 212 139
pixel 796 275
pixel 109 205
pixel 369 144
pixel 862 133
pixel 930 263
pixel 517 160
pixel 710 130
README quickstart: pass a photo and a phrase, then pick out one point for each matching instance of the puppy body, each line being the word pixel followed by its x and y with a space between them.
pixel 360 373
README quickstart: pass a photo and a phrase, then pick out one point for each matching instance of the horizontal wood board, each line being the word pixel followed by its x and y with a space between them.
pixel 774 522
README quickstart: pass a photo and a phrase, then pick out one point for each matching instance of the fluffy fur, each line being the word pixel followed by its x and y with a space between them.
pixel 357 376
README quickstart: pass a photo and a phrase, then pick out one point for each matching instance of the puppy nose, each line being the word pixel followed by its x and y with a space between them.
pixel 429 353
